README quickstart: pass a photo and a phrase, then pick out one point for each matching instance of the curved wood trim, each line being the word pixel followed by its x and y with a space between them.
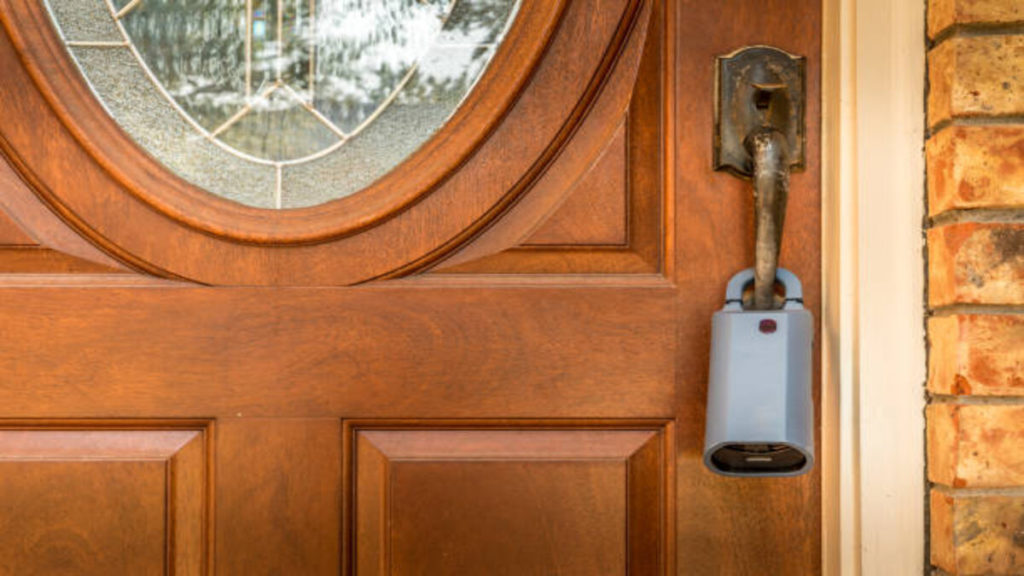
pixel 28 25
pixel 43 226
pixel 474 190
pixel 629 96
pixel 8 153
pixel 626 48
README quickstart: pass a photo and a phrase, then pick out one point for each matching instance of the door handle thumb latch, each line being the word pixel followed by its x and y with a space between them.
pixel 759 135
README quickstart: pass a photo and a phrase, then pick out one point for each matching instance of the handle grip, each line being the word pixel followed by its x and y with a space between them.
pixel 768 150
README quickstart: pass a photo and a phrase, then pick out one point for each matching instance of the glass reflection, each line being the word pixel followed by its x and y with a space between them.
pixel 285 82
pixel 364 55
pixel 196 49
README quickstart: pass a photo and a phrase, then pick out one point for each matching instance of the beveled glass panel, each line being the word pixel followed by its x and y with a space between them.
pixel 477 21
pixel 196 49
pixel 365 55
pixel 279 127
pixel 429 97
pixel 154 123
pixel 86 20
pixel 312 100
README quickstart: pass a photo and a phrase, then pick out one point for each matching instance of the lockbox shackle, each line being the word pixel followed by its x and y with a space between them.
pixel 742 279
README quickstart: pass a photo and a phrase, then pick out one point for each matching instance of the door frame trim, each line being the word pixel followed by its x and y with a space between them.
pixel 874 356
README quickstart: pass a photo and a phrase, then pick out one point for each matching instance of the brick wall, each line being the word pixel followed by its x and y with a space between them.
pixel 975 158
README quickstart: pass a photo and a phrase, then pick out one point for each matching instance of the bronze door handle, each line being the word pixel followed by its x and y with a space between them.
pixel 760 135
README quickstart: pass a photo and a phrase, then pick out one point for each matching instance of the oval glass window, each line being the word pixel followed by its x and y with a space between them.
pixel 281 103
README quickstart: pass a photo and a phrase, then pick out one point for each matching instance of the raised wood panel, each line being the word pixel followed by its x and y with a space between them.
pixel 507 518
pixel 95 518
pixel 11 234
pixel 512 498
pixel 75 500
pixel 638 74
pixel 35 241
pixel 594 213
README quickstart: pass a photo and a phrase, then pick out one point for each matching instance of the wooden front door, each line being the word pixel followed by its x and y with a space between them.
pixel 486 355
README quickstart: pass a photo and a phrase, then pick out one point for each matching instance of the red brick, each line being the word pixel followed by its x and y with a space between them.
pixel 976 446
pixel 943 554
pixel 976 354
pixel 975 534
pixel 976 263
pixel 976 167
pixel 976 76
pixel 944 13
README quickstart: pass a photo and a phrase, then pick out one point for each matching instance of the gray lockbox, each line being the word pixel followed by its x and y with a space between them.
pixel 760 412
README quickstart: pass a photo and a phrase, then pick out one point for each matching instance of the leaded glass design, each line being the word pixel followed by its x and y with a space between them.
pixel 282 103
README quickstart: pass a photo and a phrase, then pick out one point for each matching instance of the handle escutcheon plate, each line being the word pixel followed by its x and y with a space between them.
pixel 758 87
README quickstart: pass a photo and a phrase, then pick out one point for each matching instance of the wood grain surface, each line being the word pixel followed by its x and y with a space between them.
pixel 397 383
pixel 728 525
pixel 89 498
pixel 557 498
